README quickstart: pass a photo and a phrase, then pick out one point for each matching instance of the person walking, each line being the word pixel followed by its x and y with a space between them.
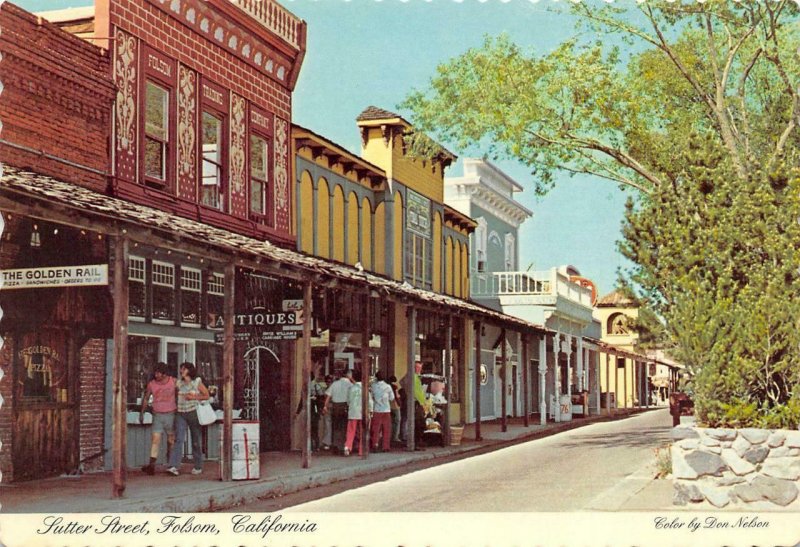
pixel 354 411
pixel 382 394
pixel 191 390
pixel 162 389
pixel 396 410
pixel 336 404
pixel 325 417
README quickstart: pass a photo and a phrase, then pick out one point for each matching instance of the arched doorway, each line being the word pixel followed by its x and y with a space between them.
pixel 266 396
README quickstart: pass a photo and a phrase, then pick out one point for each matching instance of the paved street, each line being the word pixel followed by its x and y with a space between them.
pixel 598 467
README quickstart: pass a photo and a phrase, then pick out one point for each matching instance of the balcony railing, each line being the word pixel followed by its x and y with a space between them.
pixel 274 17
pixel 546 283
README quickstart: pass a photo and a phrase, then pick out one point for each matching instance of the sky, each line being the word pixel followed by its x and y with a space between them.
pixel 374 52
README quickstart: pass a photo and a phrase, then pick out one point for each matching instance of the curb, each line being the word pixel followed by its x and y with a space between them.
pixel 227 496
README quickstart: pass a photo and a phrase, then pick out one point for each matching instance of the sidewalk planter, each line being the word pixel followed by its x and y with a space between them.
pixel 456 432
pixel 743 469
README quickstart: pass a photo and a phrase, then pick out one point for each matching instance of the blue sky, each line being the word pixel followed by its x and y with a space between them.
pixel 370 52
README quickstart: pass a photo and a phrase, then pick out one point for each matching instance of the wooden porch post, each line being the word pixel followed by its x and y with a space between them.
pixel 119 425
pixel 478 381
pixel 625 383
pixel 307 368
pixel 503 379
pixel 525 387
pixel 608 386
pixel 366 369
pixel 448 358
pixel 410 418
pixel 226 471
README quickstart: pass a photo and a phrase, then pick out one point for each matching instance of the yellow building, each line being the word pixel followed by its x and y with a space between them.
pixel 383 212
pixel 617 313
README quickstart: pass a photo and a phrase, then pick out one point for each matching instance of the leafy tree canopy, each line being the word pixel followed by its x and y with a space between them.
pixel 718 68
pixel 695 107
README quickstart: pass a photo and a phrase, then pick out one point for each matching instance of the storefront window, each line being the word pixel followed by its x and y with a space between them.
pixel 209 368
pixel 163 292
pixel 191 288
pixel 142 356
pixel 43 367
pixel 136 287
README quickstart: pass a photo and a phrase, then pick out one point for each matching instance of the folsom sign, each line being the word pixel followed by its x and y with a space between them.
pixel 59 276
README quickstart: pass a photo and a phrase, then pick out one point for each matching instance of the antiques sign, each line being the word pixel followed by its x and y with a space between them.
pixel 59 276
pixel 286 324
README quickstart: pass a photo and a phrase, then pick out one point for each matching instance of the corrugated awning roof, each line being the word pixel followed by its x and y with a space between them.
pixel 89 202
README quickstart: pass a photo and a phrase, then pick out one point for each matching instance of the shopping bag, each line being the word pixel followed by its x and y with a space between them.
pixel 206 414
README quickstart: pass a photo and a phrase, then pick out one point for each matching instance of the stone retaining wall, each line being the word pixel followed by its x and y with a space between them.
pixel 747 469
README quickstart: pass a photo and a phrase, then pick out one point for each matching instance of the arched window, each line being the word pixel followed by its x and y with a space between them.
pixel 618 324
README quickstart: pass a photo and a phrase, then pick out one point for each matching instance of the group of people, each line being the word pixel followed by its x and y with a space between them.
pixel 174 409
pixel 336 412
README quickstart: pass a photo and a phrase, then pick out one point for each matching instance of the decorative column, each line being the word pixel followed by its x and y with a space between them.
pixel 597 378
pixel 504 381
pixel 608 386
pixel 581 364
pixel 478 381
pixel 543 379
pixel 556 378
pixel 525 390
pixel 569 372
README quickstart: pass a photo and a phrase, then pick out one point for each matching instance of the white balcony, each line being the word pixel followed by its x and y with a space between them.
pixel 550 291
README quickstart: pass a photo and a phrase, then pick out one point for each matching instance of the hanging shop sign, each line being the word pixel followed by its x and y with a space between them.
pixel 283 324
pixel 59 276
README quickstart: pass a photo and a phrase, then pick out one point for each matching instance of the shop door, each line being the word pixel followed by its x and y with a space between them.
pixel 273 407
pixel 44 427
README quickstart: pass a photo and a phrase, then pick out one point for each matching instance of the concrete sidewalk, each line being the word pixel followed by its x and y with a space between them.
pixel 281 473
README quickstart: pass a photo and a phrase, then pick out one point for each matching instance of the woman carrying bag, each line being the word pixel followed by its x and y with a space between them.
pixel 191 391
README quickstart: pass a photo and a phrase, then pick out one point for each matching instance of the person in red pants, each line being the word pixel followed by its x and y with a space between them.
pixel 354 407
pixel 382 395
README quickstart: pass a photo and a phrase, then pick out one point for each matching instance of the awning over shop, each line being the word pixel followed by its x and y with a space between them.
pixel 33 194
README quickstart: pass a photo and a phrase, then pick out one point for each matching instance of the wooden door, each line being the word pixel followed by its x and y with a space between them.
pixel 45 407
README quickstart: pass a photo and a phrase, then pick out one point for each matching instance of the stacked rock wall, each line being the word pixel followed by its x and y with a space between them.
pixel 754 469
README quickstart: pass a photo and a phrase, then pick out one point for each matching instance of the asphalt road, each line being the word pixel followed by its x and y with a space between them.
pixel 598 468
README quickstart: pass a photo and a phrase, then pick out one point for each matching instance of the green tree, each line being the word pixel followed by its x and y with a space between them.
pixel 694 106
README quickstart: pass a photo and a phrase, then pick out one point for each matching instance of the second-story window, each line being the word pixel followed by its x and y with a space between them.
pixel 211 185
pixel 156 131
pixel 259 170
pixel 157 126
pixel 510 252
pixel 419 245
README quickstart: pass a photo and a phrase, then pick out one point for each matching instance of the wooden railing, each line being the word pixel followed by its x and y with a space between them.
pixel 274 17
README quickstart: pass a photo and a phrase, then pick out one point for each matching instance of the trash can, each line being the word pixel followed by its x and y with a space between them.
pixel 245 462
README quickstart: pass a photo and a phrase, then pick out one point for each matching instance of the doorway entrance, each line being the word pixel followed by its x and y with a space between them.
pixel 269 402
